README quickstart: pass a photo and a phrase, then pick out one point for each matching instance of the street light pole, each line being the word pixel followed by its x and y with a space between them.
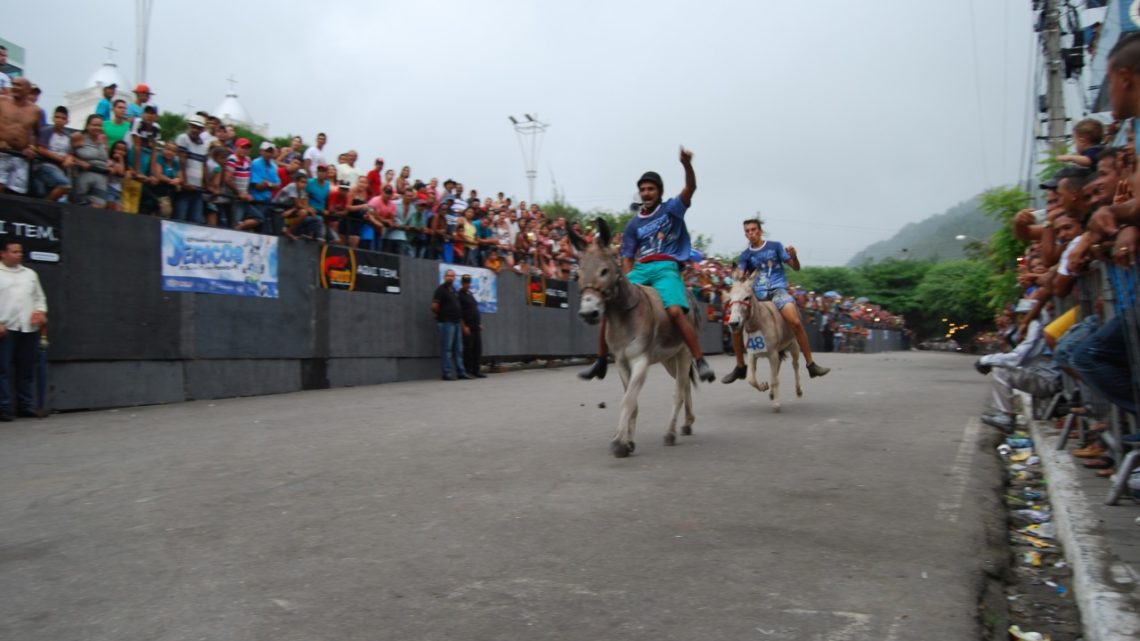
pixel 530 129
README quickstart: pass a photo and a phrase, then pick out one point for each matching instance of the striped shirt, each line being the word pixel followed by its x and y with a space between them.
pixel 239 169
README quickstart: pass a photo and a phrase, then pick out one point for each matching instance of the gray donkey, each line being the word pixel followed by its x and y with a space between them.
pixel 639 333
pixel 747 314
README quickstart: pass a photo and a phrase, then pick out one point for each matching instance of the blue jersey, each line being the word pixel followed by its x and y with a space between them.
pixel 661 235
pixel 767 263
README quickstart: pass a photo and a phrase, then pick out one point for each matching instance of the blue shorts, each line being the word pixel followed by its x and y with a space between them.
pixel 779 296
pixel 51 176
pixel 665 277
pixel 1063 353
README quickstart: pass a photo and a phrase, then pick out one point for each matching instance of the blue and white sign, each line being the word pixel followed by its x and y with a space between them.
pixel 754 343
pixel 484 285
pixel 206 260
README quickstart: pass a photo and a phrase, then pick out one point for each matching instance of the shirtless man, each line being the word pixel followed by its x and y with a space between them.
pixel 19 128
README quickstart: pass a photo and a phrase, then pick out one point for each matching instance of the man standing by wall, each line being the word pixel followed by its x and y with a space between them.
pixel 445 307
pixel 472 326
pixel 23 309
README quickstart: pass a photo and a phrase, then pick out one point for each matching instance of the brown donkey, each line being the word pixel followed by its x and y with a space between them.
pixel 639 333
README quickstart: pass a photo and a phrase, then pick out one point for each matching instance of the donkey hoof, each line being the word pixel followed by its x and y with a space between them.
pixel 771 396
pixel 621 450
pixel 686 430
pixel 670 439
pixel 776 408
pixel 799 392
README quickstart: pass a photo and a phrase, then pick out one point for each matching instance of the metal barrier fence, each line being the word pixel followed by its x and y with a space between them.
pixel 1109 291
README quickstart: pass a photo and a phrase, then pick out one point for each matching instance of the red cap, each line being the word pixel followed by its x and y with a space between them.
pixel 141 88
pixel 243 142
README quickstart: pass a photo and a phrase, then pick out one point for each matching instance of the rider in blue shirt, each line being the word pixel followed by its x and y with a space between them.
pixel 765 259
pixel 653 248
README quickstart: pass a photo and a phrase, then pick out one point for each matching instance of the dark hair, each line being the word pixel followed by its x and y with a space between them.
pixel 1076 183
pixel 61 110
pixel 3 47
pixel 150 109
pixel 754 221
pixel 116 103
pixel 6 244
pixel 1108 152
pixel 1126 53
pixel 322 134
pixel 204 114
pixel 87 123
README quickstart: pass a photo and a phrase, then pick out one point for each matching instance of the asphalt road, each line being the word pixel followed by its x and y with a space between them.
pixel 492 509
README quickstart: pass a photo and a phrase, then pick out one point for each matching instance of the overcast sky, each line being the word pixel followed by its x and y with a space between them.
pixel 840 121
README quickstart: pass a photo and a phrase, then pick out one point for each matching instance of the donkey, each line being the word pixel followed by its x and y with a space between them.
pixel 639 333
pixel 747 313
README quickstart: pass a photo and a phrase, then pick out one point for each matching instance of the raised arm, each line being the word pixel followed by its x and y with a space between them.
pixel 690 177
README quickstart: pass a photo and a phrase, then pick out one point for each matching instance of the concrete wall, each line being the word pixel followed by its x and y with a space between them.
pixel 117 339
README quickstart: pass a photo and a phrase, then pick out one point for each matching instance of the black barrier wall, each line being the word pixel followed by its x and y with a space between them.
pixel 118 339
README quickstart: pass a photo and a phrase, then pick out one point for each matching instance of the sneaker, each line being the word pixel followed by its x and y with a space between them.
pixel 982 369
pixel 815 371
pixel 597 370
pixel 736 374
pixel 1096 450
pixel 1131 438
pixel 480 376
pixel 1000 421
pixel 704 372
pixel 466 376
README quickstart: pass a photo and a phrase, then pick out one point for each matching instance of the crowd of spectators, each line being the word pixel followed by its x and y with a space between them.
pixel 1074 331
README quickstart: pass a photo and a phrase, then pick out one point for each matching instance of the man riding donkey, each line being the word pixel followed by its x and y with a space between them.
pixel 654 246
pixel 765 260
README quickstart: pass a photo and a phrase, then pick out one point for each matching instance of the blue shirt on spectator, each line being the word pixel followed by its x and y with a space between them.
pixel 318 194
pixel 767 262
pixel 262 171
pixel 103 109
pixel 660 235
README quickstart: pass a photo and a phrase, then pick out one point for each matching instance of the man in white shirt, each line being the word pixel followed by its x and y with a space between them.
pixel 315 156
pixel 1029 367
pixel 23 309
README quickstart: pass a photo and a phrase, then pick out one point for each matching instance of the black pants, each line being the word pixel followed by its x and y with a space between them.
pixel 472 351
pixel 17 361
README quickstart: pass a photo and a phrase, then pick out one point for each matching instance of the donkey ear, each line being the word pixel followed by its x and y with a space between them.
pixel 603 232
pixel 577 241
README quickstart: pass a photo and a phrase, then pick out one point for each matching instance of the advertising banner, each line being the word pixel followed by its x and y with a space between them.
pixel 359 271
pixel 548 292
pixel 206 260
pixel 484 285
pixel 38 226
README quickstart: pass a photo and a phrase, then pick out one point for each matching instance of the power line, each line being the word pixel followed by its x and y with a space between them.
pixel 978 92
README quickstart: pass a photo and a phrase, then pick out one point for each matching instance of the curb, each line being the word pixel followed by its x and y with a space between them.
pixel 1108 606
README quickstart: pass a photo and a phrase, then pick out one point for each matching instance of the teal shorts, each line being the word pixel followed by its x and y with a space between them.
pixel 665 277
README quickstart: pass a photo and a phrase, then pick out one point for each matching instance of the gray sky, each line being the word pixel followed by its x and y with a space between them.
pixel 840 121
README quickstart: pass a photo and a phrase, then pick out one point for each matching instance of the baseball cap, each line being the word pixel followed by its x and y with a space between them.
pixel 300 173
pixel 265 144
pixel 196 121
pixel 143 88
pixel 113 85
pixel 243 142
pixel 1064 172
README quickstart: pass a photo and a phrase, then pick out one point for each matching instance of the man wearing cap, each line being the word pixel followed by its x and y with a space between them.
pixel 236 179
pixel 654 245
pixel 142 96
pixel 192 150
pixel 263 181
pixel 472 326
pixel 104 107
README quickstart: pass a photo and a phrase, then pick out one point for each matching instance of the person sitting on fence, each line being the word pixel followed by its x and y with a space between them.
pixel 56 154
pixel 300 219
pixel 1028 367
pixel 1088 135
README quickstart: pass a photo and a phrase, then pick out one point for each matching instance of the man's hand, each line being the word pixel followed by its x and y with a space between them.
pixel 686 156
pixel 3 330
pixel 1123 192
pixel 466 330
pixel 791 251
pixel 1103 223
pixel 1025 217
pixel 30 152
pixel 1124 252
pixel 38 318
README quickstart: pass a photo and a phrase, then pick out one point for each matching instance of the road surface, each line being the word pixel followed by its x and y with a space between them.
pixel 492 509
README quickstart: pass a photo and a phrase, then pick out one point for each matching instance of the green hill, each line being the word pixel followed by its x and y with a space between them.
pixel 933 238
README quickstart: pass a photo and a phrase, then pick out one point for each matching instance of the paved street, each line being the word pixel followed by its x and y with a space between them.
pixel 492 509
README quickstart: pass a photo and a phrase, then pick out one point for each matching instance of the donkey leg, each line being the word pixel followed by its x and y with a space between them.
pixel 680 376
pixel 753 360
pixel 796 369
pixel 774 394
pixel 687 428
pixel 622 444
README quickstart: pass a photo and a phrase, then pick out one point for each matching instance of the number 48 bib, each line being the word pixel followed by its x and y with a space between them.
pixel 754 342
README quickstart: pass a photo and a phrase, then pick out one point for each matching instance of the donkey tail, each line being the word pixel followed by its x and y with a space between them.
pixel 783 355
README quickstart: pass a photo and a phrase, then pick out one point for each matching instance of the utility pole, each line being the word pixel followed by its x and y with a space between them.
pixel 1054 80
pixel 142 36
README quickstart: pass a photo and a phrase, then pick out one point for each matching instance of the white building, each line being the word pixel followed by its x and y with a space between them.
pixel 232 112
pixel 82 103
